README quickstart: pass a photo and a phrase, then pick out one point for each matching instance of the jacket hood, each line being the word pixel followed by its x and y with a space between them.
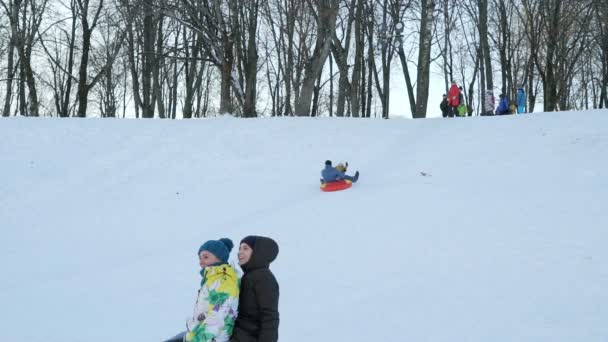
pixel 264 253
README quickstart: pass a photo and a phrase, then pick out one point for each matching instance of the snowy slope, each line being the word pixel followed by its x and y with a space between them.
pixel 504 239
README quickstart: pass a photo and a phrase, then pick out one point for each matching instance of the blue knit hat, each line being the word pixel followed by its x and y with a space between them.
pixel 220 248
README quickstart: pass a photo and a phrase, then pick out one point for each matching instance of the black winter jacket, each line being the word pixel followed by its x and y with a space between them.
pixel 258 317
pixel 444 107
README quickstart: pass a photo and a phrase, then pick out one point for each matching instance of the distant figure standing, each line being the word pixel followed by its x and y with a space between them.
pixel 488 110
pixel 503 105
pixel 521 100
pixel 512 107
pixel 444 106
pixel 462 109
pixel 461 98
pixel 453 99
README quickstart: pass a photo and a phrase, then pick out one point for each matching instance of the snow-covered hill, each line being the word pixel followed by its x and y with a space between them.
pixel 477 229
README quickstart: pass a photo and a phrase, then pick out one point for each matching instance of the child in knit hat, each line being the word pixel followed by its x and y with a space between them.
pixel 217 302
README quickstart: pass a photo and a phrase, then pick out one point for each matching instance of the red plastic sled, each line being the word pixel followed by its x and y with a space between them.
pixel 336 186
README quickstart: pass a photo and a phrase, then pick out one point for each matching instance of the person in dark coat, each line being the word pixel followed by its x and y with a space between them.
pixel 258 314
pixel 461 98
pixel 444 106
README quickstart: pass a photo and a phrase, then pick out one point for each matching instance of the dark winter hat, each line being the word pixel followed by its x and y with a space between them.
pixel 250 241
pixel 328 162
pixel 220 248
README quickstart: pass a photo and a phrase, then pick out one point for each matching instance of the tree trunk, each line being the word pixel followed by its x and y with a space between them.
pixel 87 31
pixel 133 68
pixel 355 99
pixel 22 99
pixel 83 88
pixel 249 108
pixel 226 73
pixel 148 59
pixel 26 60
pixel 64 111
pixel 602 20
pixel 157 89
pixel 503 47
pixel 530 88
pixel 10 71
pixel 326 26
pixel 289 5
pixel 550 79
pixel 424 58
pixel 483 38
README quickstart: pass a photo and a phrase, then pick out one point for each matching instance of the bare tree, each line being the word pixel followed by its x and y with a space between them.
pixel 563 26
pixel 424 57
pixel 88 26
pixel 248 53
pixel 502 20
pixel 25 17
pixel 340 49
pixel 601 29
pixel 11 9
pixel 326 12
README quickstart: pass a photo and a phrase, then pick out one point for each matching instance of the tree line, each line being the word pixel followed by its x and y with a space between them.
pixel 195 58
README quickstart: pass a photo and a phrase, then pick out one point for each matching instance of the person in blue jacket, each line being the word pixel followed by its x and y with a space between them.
pixel 503 105
pixel 521 100
pixel 332 174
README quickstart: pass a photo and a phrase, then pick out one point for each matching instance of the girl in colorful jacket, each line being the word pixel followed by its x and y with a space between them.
pixel 217 302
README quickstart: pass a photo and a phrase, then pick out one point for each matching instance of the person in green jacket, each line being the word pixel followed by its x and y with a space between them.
pixel 462 110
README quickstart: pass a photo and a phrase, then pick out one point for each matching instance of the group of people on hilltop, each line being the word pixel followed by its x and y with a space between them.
pixel 229 309
pixel 453 103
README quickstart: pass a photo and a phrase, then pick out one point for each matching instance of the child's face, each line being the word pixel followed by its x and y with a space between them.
pixel 244 254
pixel 207 258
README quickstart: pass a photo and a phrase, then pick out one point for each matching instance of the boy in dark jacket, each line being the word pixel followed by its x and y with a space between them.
pixel 444 106
pixel 258 314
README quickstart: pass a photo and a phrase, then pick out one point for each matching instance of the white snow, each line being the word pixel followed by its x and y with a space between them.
pixel 504 239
